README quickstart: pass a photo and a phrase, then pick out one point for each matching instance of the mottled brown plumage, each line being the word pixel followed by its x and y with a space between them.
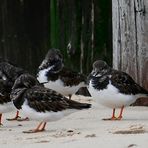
pixel 69 77
pixel 126 84
pixel 40 98
pixel 41 103
pixel 113 88
pixel 4 92
pixel 52 71
pixel 102 75
pixel 9 72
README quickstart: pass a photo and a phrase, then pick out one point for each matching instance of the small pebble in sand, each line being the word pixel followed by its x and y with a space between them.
pixel 132 145
pixel 91 135
pixel 19 125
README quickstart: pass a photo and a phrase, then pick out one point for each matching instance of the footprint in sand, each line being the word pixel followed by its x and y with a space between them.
pixel 66 133
pixel 134 129
pixel 90 136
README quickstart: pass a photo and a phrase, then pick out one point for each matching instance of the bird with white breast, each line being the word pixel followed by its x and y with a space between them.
pixel 113 88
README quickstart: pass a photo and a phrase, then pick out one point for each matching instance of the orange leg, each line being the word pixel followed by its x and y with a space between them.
pixel 120 115
pixel 38 129
pixel 43 128
pixel 18 118
pixel 113 115
pixel 15 118
pixel 1 119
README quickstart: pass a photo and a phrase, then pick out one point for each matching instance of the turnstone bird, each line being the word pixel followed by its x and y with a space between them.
pixel 112 88
pixel 40 103
pixel 6 104
pixel 8 74
pixel 55 76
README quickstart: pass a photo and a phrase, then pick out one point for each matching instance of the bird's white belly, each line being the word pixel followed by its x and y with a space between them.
pixel 47 116
pixel 111 97
pixel 58 86
pixel 7 107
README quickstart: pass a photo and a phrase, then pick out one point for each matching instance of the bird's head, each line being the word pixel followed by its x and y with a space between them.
pixel 100 68
pixel 21 84
pixel 25 81
pixel 53 61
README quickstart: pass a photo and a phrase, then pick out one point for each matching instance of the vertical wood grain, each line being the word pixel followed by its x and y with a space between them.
pixel 130 37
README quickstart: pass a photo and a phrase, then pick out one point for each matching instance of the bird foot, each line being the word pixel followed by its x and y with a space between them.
pixel 13 119
pixel 1 124
pixel 119 118
pixel 34 131
pixel 23 119
pixel 113 118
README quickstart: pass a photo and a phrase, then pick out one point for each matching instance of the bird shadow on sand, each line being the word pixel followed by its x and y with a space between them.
pixel 135 119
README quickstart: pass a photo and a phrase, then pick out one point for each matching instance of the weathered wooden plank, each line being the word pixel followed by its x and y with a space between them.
pixel 130 29
pixel 141 13
pixel 116 28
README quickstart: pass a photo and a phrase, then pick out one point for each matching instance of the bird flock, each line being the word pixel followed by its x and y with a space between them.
pixel 47 96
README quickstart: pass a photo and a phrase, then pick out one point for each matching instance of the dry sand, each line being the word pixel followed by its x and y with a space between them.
pixel 83 129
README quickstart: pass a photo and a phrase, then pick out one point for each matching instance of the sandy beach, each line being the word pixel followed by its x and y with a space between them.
pixel 83 129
